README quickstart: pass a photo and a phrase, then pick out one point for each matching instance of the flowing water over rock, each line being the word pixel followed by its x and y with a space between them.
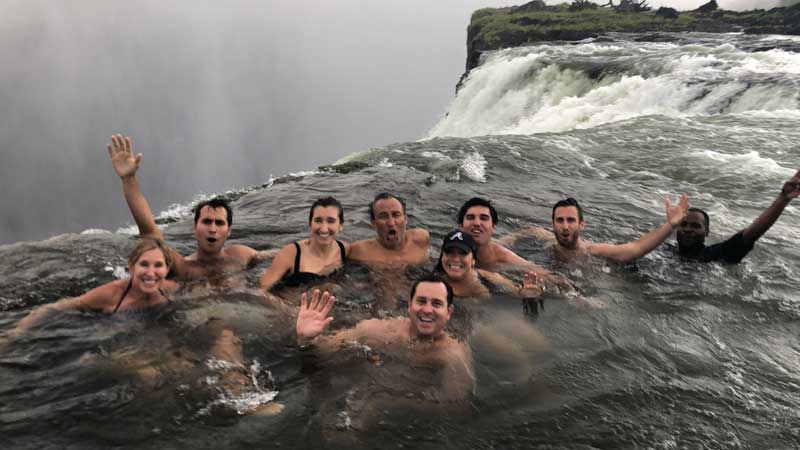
pixel 682 355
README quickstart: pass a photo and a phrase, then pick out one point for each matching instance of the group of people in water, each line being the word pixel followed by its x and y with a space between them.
pixel 469 264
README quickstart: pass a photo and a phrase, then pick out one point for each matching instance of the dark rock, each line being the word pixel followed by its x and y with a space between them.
pixel 708 7
pixel 667 13
pixel 535 5
pixel 352 166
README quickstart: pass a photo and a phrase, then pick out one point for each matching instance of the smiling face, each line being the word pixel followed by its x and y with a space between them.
pixel 390 223
pixel 567 226
pixel 428 310
pixel 457 263
pixel 325 224
pixel 149 271
pixel 212 229
pixel 478 223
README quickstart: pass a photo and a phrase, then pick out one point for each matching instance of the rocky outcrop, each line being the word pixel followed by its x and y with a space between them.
pixel 496 28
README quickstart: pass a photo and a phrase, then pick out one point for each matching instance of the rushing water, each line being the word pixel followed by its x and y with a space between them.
pixel 683 355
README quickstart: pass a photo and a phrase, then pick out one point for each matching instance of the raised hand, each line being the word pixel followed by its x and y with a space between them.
pixel 312 319
pixel 121 152
pixel 791 189
pixel 532 285
pixel 676 213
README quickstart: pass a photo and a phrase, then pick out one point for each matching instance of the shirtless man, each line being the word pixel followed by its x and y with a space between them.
pixel 422 334
pixel 394 245
pixel 213 260
pixel 212 223
pixel 478 218
pixel 568 223
pixel 694 229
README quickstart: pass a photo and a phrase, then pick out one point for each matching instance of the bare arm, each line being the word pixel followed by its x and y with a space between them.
pixel 791 189
pixel 538 233
pixel 532 285
pixel 648 242
pixel 509 257
pixel 126 164
pixel 459 374
pixel 98 298
pixel 263 255
pixel 280 266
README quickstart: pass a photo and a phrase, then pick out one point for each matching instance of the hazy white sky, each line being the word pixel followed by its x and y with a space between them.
pixel 217 94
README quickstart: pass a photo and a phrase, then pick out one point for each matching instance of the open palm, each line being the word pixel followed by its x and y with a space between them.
pixel 122 158
pixel 676 213
pixel 313 316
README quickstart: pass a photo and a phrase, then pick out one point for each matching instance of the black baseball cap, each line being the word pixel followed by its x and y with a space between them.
pixel 461 240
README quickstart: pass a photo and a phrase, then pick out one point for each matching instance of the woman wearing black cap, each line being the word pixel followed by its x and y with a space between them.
pixel 457 265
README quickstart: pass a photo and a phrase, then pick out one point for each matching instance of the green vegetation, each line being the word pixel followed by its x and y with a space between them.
pixel 494 28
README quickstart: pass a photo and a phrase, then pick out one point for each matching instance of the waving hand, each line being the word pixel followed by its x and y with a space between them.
pixel 122 158
pixel 312 319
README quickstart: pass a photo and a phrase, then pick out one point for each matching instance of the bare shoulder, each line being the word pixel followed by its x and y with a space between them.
pixel 102 297
pixel 359 248
pixel 384 329
pixel 241 252
pixel 420 237
pixel 170 285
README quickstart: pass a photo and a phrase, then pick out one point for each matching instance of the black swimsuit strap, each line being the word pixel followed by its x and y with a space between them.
pixel 161 291
pixel 127 288
pixel 342 251
pixel 297 258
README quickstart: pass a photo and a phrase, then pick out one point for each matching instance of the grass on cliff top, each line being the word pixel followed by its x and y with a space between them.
pixel 495 26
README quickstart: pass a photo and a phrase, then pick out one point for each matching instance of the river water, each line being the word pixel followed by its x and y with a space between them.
pixel 659 354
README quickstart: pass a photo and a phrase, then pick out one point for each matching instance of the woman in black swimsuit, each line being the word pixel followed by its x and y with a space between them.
pixel 314 258
pixel 149 263
pixel 457 265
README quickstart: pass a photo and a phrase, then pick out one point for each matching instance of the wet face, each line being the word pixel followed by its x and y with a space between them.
pixel 478 223
pixel 212 229
pixel 567 226
pixel 390 223
pixel 457 263
pixel 149 271
pixel 692 231
pixel 428 310
pixel 325 225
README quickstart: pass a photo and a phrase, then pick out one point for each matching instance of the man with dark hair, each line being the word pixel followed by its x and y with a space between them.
pixel 212 223
pixel 478 218
pixel 568 223
pixel 694 228
pixel 393 243
pixel 422 334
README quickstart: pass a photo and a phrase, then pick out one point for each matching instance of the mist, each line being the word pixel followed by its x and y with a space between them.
pixel 217 95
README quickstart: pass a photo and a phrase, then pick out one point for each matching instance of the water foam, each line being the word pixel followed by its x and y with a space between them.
pixel 556 88
pixel 474 167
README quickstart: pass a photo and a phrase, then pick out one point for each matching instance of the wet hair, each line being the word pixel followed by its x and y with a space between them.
pixel 214 203
pixel 432 278
pixel 477 201
pixel 569 201
pixel 145 245
pixel 384 196
pixel 705 216
pixel 324 202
